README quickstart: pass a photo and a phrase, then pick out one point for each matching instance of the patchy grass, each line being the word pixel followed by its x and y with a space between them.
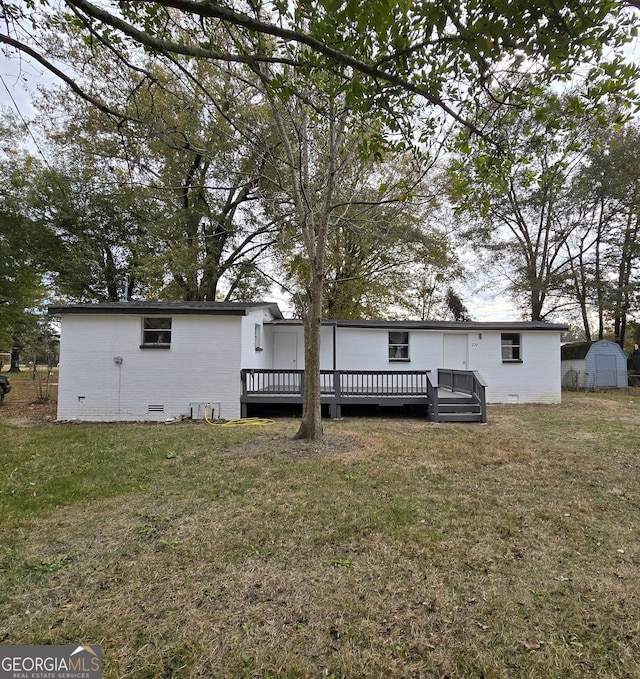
pixel 398 548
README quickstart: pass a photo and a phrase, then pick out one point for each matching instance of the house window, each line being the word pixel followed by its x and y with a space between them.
pixel 257 330
pixel 398 346
pixel 510 342
pixel 156 332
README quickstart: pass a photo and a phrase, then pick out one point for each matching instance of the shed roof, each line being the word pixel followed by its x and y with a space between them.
pixel 578 350
pixel 196 308
pixel 575 351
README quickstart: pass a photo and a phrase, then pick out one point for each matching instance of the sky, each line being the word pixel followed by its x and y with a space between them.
pixel 18 81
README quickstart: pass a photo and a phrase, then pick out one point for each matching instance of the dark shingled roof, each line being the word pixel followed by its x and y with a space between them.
pixel 575 351
pixel 197 308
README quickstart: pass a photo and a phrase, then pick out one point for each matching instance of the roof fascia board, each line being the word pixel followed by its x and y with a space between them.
pixel 161 309
pixel 473 326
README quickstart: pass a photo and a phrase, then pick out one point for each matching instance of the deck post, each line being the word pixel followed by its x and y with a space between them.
pixel 243 405
pixel 433 408
pixel 334 407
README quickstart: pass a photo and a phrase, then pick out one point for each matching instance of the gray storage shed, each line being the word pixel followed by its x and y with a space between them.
pixel 593 365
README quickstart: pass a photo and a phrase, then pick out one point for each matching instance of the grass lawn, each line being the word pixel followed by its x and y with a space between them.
pixel 398 548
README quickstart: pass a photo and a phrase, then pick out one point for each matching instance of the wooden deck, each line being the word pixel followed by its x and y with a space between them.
pixel 455 396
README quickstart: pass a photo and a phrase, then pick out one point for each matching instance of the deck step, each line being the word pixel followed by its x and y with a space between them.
pixel 459 408
pixel 460 417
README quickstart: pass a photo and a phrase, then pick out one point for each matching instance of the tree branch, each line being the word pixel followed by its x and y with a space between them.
pixel 215 11
pixel 16 44
pixel 168 46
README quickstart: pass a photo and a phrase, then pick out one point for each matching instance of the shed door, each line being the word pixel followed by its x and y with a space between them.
pixel 606 374
pixel 285 351
pixel 455 351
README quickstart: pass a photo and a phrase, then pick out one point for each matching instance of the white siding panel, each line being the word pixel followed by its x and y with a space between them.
pixel 536 379
pixel 251 358
pixel 362 349
pixel 202 365
pixel 368 349
pixel 326 348
pixel 326 344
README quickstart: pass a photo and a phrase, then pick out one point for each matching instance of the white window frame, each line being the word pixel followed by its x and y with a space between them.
pixel 511 347
pixel 156 332
pixel 398 350
pixel 257 335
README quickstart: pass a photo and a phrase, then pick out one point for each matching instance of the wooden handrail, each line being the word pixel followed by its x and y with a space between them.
pixel 337 383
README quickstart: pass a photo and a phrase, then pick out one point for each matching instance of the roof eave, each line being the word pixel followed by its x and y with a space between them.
pixel 165 308
pixel 473 326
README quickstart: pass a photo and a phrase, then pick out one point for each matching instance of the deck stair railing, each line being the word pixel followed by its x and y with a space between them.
pixel 461 397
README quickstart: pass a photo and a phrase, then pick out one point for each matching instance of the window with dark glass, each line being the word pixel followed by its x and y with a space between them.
pixel 510 342
pixel 156 332
pixel 398 346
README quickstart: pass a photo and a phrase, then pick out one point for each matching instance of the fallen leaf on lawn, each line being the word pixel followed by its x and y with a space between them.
pixel 532 644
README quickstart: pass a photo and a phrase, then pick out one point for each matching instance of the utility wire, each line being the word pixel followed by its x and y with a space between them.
pixel 25 123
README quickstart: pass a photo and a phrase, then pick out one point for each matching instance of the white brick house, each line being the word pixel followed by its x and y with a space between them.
pixel 159 360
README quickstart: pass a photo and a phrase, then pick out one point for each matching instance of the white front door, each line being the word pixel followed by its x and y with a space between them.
pixel 455 351
pixel 285 351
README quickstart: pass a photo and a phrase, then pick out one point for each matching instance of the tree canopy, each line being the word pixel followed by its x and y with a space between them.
pixel 445 53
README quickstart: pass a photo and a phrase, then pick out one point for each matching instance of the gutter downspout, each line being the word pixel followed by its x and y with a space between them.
pixel 335 362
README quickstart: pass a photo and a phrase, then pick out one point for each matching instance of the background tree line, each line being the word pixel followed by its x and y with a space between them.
pixel 556 212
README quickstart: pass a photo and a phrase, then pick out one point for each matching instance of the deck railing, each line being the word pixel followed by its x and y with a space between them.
pixel 381 383
pixel 337 383
pixel 338 387
pixel 432 394
pixel 286 382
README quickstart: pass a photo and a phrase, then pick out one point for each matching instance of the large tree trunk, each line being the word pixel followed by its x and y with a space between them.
pixel 311 425
pixel 312 162
pixel 15 360
pixel 623 297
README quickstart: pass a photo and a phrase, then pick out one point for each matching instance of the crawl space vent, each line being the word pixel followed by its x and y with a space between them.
pixel 155 408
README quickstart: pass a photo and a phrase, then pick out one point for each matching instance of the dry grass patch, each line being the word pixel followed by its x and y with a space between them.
pixel 397 548
pixel 22 405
